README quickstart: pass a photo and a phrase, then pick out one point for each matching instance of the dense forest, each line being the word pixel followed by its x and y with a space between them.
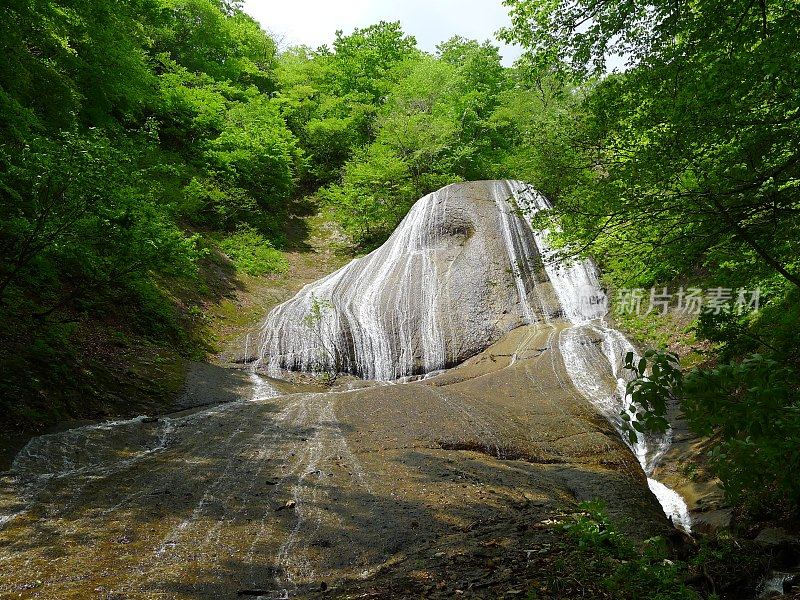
pixel 143 139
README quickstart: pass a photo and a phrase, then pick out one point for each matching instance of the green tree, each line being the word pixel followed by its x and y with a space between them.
pixel 255 152
pixel 85 60
pixel 419 124
pixel 686 165
pixel 205 36
pixel 693 151
pixel 474 95
pixel 365 61
pixel 121 123
pixel 375 194
pixel 435 125
pixel 331 98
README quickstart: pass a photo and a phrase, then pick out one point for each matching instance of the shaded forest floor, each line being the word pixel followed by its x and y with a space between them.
pixel 111 371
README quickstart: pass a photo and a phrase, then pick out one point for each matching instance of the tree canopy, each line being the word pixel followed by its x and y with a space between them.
pixel 692 151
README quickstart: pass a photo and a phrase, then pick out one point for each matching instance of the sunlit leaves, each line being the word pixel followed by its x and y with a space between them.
pixel 693 150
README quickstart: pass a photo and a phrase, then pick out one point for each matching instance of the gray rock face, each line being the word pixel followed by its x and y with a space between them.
pixel 462 269
pixel 355 488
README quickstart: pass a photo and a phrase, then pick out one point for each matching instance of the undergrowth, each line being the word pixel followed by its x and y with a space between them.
pixel 627 569
pixel 252 253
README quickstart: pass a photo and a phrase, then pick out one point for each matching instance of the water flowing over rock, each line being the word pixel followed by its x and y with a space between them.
pixel 356 486
pixel 463 268
pixel 459 271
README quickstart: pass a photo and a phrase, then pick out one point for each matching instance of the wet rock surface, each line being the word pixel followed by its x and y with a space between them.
pixel 461 269
pixel 208 384
pixel 432 487
pixel 439 486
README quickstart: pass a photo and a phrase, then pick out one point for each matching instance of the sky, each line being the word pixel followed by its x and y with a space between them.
pixel 314 22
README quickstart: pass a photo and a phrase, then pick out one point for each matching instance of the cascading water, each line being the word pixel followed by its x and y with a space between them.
pixel 512 231
pixel 598 372
pixel 444 286
pixel 438 291
pixel 302 335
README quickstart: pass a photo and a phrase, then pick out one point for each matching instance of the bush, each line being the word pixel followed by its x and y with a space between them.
pixel 374 195
pixel 252 253
pixel 208 204
pixel 256 152
pixel 750 410
pixel 592 530
pixel 628 571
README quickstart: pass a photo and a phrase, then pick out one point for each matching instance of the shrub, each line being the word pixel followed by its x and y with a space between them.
pixel 252 253
pixel 750 410
pixel 628 571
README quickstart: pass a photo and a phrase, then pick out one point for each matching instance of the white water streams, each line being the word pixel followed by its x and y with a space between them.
pixel 593 353
pixel 391 314
pixel 442 288
pixel 85 454
pixel 368 324
pixel 461 269
pixel 511 229
pixel 575 283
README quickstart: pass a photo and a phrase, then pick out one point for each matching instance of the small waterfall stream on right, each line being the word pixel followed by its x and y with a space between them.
pixel 593 353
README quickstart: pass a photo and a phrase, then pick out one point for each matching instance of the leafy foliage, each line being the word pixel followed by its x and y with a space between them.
pixel 750 410
pixel 252 253
pixel 591 528
pixel 381 141
pixel 365 60
pixel 629 571
pixel 122 124
pixel 374 195
pixel 692 153
pixel 255 152
pixel 655 377
pixel 328 359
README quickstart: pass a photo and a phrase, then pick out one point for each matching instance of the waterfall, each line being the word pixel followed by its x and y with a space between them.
pixel 512 230
pixel 462 268
pixel 435 293
pixel 597 372
pixel 349 322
